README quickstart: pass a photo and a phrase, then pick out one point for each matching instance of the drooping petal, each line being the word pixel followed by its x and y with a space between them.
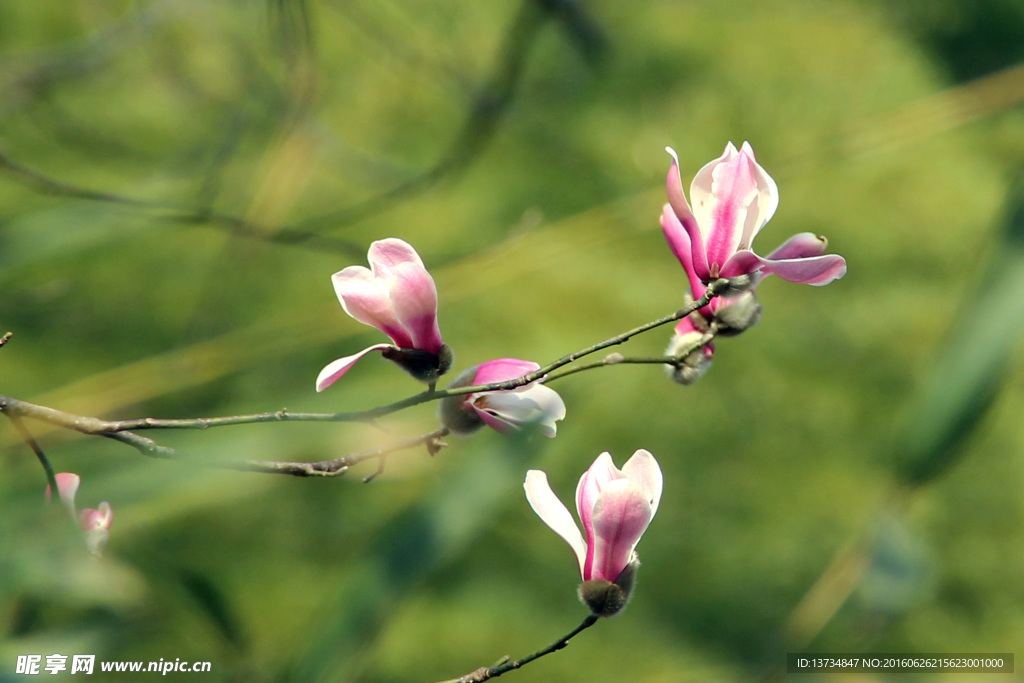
pixel 554 513
pixel 685 216
pixel 414 299
pixel 643 470
pixel 503 369
pixel 811 270
pixel 507 411
pixel 801 245
pixel 334 370
pixel 365 298
pixel 621 516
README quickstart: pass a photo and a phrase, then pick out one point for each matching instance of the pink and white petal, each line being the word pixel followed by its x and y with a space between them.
pixel 743 262
pixel 414 301
pixel 643 470
pixel 621 516
pixel 813 270
pixel 96 519
pixel 554 513
pixel 686 217
pixel 366 299
pixel 503 369
pixel 334 370
pixel 730 219
pixel 588 490
pixel 506 411
pixel 387 253
pixel 801 245
pixel 768 193
pixel 67 487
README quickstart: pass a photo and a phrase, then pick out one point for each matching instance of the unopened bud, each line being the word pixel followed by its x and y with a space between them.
pixel 693 366
pixel 422 365
pixel 733 316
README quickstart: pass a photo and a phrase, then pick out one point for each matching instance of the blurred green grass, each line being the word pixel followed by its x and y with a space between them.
pixel 546 243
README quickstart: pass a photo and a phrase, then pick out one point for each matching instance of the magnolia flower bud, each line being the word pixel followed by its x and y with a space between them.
pixel 693 366
pixel 732 316
pixel 606 598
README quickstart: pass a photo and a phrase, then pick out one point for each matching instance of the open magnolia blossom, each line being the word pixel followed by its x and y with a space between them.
pixel 733 198
pixel 505 411
pixel 615 507
pixel 94 523
pixel 396 295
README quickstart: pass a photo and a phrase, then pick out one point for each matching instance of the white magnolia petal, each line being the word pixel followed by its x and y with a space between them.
pixel 554 513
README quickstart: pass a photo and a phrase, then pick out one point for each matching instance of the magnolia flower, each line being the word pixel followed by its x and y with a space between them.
pixel 397 296
pixel 733 198
pixel 95 524
pixel 504 411
pixel 615 507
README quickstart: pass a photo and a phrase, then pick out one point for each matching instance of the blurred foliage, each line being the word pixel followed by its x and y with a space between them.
pixel 181 178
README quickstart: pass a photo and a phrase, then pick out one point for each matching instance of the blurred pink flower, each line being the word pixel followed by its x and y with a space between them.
pixel 397 296
pixel 504 411
pixel 95 524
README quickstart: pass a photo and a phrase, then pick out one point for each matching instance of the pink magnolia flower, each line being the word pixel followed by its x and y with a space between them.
pixel 615 507
pixel 397 296
pixel 733 198
pixel 504 411
pixel 94 523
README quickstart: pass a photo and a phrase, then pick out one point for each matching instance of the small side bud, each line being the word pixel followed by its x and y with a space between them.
pixel 692 367
pixel 422 365
pixel 613 358
pixel 736 315
pixel 453 412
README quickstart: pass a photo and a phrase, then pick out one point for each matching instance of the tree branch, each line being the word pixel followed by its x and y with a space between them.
pixel 486 673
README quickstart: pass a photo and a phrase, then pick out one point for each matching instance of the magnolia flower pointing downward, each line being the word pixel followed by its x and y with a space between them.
pixel 615 507
pixel 94 523
pixel 397 296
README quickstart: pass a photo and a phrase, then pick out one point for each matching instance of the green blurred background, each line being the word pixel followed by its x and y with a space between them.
pixel 179 179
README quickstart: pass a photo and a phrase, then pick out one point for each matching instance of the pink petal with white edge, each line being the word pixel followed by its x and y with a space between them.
pixel 554 513
pixel 365 298
pixel 67 487
pixel 387 253
pixel 621 516
pixel 812 270
pixel 334 370
pixel 414 298
pixel 643 470
pixel 725 216
pixel 588 490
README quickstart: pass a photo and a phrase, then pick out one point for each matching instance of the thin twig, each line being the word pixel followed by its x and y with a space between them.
pixel 51 476
pixel 485 673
